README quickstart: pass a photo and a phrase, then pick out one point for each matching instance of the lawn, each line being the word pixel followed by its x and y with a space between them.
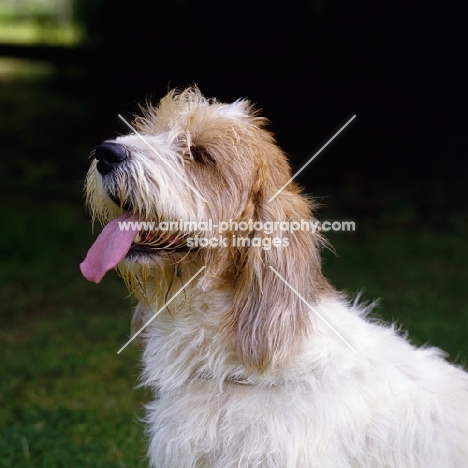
pixel 66 398
pixel 70 398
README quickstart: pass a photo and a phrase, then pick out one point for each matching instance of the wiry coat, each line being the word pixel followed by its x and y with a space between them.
pixel 247 369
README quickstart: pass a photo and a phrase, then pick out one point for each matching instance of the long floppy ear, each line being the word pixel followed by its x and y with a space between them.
pixel 269 316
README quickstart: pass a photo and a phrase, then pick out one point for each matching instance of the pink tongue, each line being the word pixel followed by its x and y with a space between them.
pixel 108 250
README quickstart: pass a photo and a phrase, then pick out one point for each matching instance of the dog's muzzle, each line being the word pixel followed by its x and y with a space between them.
pixel 109 156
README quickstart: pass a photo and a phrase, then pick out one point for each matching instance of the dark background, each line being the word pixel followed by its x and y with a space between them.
pixel 399 171
pixel 308 65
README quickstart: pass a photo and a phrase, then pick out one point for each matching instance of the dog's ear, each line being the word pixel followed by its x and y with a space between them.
pixel 281 272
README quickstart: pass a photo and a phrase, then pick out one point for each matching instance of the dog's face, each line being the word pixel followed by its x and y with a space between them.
pixel 192 160
pixel 201 161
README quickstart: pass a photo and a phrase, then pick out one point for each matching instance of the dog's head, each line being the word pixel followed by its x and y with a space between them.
pixel 199 168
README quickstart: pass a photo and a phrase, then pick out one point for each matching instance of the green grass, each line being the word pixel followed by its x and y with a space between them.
pixel 66 398
pixel 70 398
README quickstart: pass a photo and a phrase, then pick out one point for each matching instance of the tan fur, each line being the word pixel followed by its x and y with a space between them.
pixel 266 320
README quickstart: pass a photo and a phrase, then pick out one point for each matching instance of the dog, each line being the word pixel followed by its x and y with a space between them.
pixel 255 360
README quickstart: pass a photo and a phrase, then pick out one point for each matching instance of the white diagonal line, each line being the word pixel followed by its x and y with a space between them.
pixel 312 309
pixel 312 158
pixel 161 309
pixel 162 159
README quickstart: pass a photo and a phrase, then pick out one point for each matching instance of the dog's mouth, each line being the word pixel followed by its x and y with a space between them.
pixel 123 238
pixel 155 242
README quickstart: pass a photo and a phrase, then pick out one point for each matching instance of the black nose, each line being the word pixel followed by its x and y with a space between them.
pixel 109 156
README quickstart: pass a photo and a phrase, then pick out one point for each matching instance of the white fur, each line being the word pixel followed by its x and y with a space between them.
pixel 389 405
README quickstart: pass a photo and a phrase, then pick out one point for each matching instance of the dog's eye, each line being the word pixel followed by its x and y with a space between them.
pixel 200 155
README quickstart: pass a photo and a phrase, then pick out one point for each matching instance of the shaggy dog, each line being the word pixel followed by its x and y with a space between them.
pixel 254 359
